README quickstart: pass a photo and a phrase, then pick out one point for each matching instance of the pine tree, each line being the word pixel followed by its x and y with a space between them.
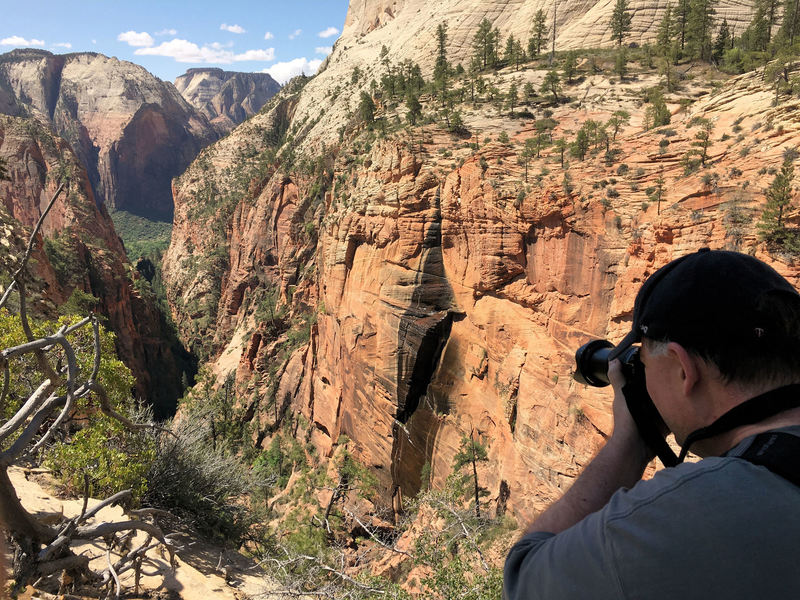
pixel 699 27
pixel 621 62
pixel 581 144
pixel 441 67
pixel 366 108
pixel 4 170
pixel 703 138
pixel 790 27
pixel 519 54
pixel 414 108
pixel 570 64
pixel 681 19
pixel 771 9
pixel 620 21
pixel 539 37
pixel 618 119
pixel 757 34
pixel 666 32
pixel 779 197
pixel 722 41
pixel 471 452
pixel 552 83
pixel 496 39
pixel 512 98
pixel 508 55
pixel 483 43
pixel 657 114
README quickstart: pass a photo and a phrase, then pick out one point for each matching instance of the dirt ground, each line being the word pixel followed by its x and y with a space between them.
pixel 204 571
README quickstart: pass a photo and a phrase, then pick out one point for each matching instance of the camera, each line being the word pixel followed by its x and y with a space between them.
pixel 591 368
pixel 591 363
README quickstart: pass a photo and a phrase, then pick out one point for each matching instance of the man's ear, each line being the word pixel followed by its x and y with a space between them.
pixel 690 372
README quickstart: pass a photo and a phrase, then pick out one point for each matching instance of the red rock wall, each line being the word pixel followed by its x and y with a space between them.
pixel 36 159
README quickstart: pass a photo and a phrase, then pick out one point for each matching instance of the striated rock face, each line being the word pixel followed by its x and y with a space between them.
pixel 224 97
pixel 449 295
pixel 411 24
pixel 131 131
pixel 450 285
pixel 79 250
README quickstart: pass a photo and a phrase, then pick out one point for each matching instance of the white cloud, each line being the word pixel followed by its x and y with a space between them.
pixel 265 55
pixel 167 32
pixel 66 45
pixel 295 33
pixel 232 28
pixel 219 46
pixel 329 32
pixel 324 50
pixel 268 35
pixel 284 71
pixel 186 51
pixel 134 38
pixel 16 40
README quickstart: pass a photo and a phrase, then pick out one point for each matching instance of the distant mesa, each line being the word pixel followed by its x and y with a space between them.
pixel 226 98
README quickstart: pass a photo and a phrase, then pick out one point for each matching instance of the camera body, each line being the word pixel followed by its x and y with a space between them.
pixel 591 368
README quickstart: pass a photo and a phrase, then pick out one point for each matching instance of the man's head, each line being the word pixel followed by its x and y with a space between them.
pixel 730 309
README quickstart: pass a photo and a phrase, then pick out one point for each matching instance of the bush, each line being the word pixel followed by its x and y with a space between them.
pixel 195 482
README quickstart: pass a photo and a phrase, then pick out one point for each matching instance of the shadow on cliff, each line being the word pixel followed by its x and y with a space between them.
pixel 422 335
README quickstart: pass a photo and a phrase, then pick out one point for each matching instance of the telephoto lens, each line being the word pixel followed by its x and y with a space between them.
pixel 591 362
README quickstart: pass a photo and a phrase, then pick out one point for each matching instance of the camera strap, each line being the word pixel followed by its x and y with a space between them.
pixel 751 411
pixel 648 420
pixel 778 451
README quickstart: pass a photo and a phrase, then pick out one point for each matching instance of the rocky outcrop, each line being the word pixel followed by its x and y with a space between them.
pixel 449 283
pixel 79 250
pixel 226 98
pixel 411 24
pixel 450 294
pixel 131 131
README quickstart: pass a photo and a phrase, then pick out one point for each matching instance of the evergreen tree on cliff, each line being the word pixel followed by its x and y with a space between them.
pixel 790 27
pixel 539 34
pixel 483 44
pixel 441 67
pixel 779 196
pixel 699 27
pixel 620 21
pixel 681 16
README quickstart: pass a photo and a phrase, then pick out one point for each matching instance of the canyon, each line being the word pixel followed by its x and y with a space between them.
pixel 442 294
pixel 394 289
pixel 78 251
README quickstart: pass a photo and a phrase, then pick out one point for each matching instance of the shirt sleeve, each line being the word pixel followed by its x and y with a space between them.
pixel 574 564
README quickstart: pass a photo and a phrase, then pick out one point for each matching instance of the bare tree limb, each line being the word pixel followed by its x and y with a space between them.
pixel 113 572
pixel 29 249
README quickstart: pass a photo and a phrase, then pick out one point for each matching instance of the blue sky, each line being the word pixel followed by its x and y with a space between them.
pixel 168 37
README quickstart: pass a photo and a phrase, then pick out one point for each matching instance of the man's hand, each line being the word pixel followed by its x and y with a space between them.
pixel 625 429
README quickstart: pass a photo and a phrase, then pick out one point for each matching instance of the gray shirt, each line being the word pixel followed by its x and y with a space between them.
pixel 718 528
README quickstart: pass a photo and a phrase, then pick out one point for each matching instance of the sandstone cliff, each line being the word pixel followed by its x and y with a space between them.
pixel 224 97
pixel 79 250
pixel 131 131
pixel 433 291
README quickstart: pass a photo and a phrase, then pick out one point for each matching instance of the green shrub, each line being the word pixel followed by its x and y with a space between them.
pixel 197 483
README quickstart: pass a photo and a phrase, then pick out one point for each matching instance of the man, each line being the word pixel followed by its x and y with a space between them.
pixel 720 335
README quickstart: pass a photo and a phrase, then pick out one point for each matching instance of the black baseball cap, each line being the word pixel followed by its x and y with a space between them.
pixel 709 297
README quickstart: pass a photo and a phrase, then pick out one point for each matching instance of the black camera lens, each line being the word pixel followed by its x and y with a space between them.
pixel 591 362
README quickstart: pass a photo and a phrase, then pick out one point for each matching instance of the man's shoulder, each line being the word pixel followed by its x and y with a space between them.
pixel 731 481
